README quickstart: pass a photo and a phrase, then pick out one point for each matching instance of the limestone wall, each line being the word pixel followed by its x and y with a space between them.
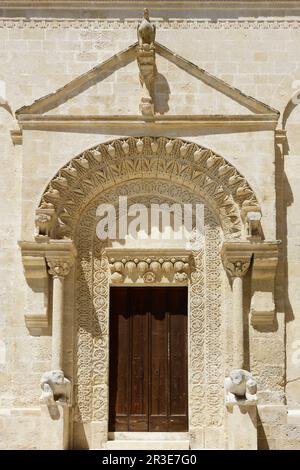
pixel 39 56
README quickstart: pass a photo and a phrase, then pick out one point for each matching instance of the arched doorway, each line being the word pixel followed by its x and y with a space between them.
pixel 149 170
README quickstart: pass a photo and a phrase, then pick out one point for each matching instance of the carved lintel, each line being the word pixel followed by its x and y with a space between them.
pixel 149 266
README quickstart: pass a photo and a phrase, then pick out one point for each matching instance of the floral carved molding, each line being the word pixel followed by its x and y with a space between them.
pixel 199 169
pixel 148 268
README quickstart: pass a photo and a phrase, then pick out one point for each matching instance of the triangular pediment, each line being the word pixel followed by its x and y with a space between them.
pixel 113 88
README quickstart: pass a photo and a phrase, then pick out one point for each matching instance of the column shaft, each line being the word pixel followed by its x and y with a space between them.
pixel 238 323
pixel 57 322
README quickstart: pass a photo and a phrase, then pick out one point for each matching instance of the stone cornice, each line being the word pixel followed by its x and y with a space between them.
pixel 57 249
pixel 142 123
pixel 92 5
pixel 97 25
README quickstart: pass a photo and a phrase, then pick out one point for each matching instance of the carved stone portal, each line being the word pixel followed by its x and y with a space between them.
pixel 206 406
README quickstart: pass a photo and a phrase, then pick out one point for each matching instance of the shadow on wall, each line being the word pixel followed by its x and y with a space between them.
pixel 284 199
pixel 161 94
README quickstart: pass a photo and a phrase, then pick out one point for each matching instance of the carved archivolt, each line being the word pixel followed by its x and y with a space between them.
pixel 195 168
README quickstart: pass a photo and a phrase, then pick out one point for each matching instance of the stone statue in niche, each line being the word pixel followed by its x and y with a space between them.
pixel 146 62
pixel 240 386
pixel 146 31
pixel 55 388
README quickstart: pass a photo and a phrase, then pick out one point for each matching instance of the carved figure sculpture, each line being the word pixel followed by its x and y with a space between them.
pixel 44 219
pixel 146 30
pixel 240 385
pixel 146 62
pixel 55 387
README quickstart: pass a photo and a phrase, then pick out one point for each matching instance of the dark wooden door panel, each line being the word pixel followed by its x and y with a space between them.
pixel 178 362
pixel 148 359
pixel 138 418
pixel 119 360
pixel 158 366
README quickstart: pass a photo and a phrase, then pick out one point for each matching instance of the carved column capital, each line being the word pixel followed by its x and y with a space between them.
pixel 59 267
pixel 237 268
pixel 236 257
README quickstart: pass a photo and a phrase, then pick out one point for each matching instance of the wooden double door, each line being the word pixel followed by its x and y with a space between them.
pixel 148 373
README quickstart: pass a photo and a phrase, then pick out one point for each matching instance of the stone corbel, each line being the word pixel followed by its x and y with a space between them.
pixel 34 256
pixel 146 63
pixel 265 259
pixel 35 269
pixel 262 308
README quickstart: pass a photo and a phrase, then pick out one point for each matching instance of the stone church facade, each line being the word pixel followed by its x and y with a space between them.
pixel 196 105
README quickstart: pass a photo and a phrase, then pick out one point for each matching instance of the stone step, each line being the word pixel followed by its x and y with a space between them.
pixel 148 436
pixel 130 444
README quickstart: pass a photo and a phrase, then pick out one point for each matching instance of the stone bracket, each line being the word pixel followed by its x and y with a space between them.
pixel 35 256
pixel 265 259
pixel 146 64
pixel 262 308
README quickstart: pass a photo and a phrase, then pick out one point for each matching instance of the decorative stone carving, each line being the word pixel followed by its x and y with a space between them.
pixel 92 309
pixel 100 24
pixel 254 230
pixel 237 268
pixel 55 388
pixel 146 62
pixel 240 388
pixel 146 30
pixel 160 158
pixel 252 219
pixel 236 257
pixel 149 277
pixel 44 221
pixel 58 267
pixel 143 266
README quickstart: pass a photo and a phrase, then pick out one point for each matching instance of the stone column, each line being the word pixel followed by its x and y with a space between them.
pixel 237 269
pixel 59 269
